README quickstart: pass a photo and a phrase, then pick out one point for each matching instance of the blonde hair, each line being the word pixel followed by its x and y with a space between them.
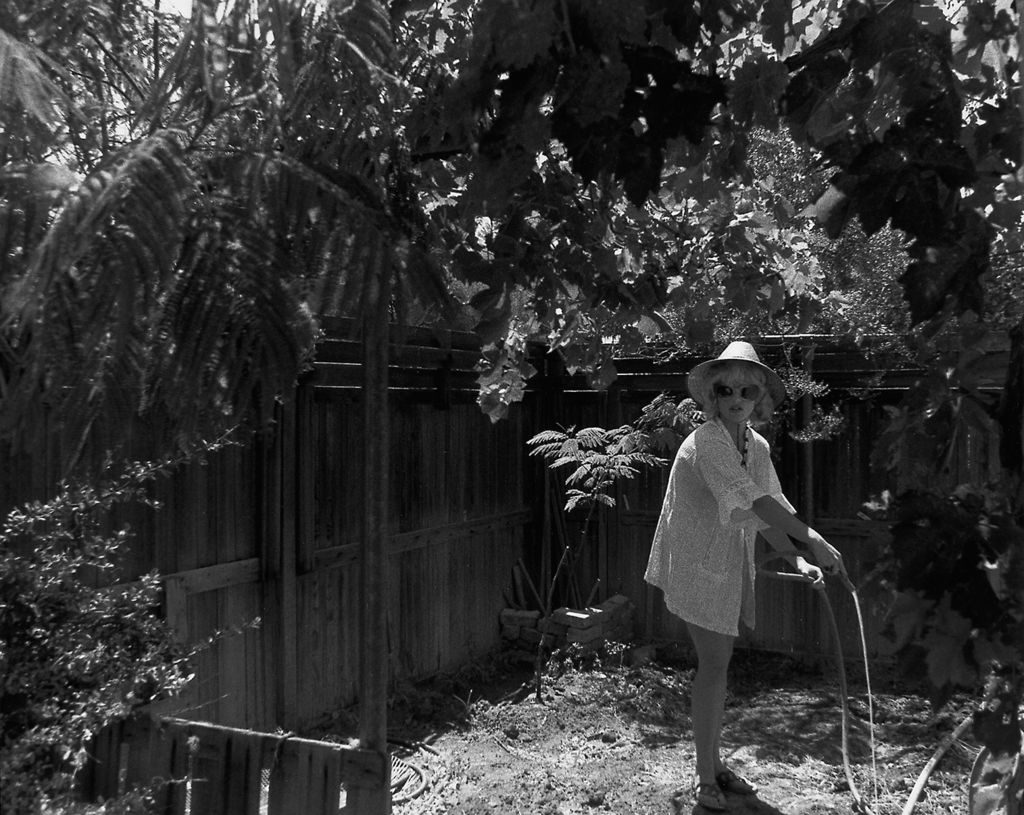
pixel 748 374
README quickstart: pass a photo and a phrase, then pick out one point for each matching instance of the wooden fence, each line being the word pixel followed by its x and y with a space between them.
pixel 271 532
pixel 260 548
pixel 195 768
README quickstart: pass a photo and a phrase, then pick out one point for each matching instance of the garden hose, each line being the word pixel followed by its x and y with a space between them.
pixel 860 804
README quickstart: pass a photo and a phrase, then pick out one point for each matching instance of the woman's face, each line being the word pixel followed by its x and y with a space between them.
pixel 736 394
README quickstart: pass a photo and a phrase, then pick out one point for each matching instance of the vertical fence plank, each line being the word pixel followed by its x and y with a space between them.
pixel 139 732
pixel 177 791
pixel 106 752
pixel 332 783
pixel 231 654
pixel 305 479
pixel 289 780
pixel 236 775
pixel 160 763
pixel 208 772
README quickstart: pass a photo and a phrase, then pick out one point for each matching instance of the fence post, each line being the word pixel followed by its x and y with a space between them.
pixel 277 552
pixel 373 679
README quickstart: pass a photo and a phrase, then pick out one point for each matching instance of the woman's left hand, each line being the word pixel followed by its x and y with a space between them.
pixel 811 572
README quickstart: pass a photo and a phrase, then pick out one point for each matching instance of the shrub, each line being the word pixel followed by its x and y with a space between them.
pixel 77 652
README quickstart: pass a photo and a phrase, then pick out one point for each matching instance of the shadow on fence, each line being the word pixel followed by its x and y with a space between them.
pixel 196 768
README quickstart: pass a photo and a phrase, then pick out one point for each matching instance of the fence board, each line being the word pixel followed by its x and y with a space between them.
pixel 291 784
pixel 177 770
pixel 232 606
pixel 241 777
pixel 209 776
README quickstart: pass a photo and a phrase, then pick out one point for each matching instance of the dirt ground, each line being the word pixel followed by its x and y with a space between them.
pixel 609 736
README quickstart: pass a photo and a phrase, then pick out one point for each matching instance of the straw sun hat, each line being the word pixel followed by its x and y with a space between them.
pixel 738 351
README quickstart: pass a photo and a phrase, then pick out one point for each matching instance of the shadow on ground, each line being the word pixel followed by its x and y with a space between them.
pixel 741 805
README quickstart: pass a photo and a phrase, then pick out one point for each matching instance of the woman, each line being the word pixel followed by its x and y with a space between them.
pixel 722 491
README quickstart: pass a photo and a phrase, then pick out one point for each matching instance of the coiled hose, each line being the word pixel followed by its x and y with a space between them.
pixel 859 803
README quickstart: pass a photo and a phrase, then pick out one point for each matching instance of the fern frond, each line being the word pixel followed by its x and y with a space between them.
pixel 579 475
pixel 591 438
pixel 561 461
pixel 549 436
pixel 363 29
pixel 142 194
pixel 575 499
pixel 25 86
pixel 547 450
pixel 648 459
pixel 228 325
pixel 78 310
pixel 570 448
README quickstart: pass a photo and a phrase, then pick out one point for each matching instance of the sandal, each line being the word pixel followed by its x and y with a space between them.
pixel 728 781
pixel 710 796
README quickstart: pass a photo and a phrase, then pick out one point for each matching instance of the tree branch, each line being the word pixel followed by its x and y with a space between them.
pixel 107 53
pixel 156 42
pixel 443 153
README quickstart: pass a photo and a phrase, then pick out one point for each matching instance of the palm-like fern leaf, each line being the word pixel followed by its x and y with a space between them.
pixel 228 329
pixel 591 438
pixel 171 280
pixel 74 310
pixel 363 27
pixel 547 437
pixel 138 199
pixel 25 87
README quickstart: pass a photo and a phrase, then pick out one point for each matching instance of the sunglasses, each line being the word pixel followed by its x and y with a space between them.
pixel 748 392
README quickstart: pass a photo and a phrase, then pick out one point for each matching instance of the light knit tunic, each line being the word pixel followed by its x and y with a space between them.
pixel 703 552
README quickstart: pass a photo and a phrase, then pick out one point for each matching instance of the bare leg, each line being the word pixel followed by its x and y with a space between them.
pixel 707 703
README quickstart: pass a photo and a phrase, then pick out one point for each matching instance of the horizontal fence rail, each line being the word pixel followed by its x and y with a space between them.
pixel 195 768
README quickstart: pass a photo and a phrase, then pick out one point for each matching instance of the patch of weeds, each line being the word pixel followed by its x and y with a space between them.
pixel 583 657
pixel 417 708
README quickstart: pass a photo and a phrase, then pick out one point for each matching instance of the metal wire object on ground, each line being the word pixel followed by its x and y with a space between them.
pixel 408 779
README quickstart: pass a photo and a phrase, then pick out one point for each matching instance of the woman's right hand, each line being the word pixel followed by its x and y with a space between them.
pixel 826 555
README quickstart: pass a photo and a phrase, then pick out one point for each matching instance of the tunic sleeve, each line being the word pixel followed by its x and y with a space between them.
pixel 775 488
pixel 730 484
pixel 764 474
